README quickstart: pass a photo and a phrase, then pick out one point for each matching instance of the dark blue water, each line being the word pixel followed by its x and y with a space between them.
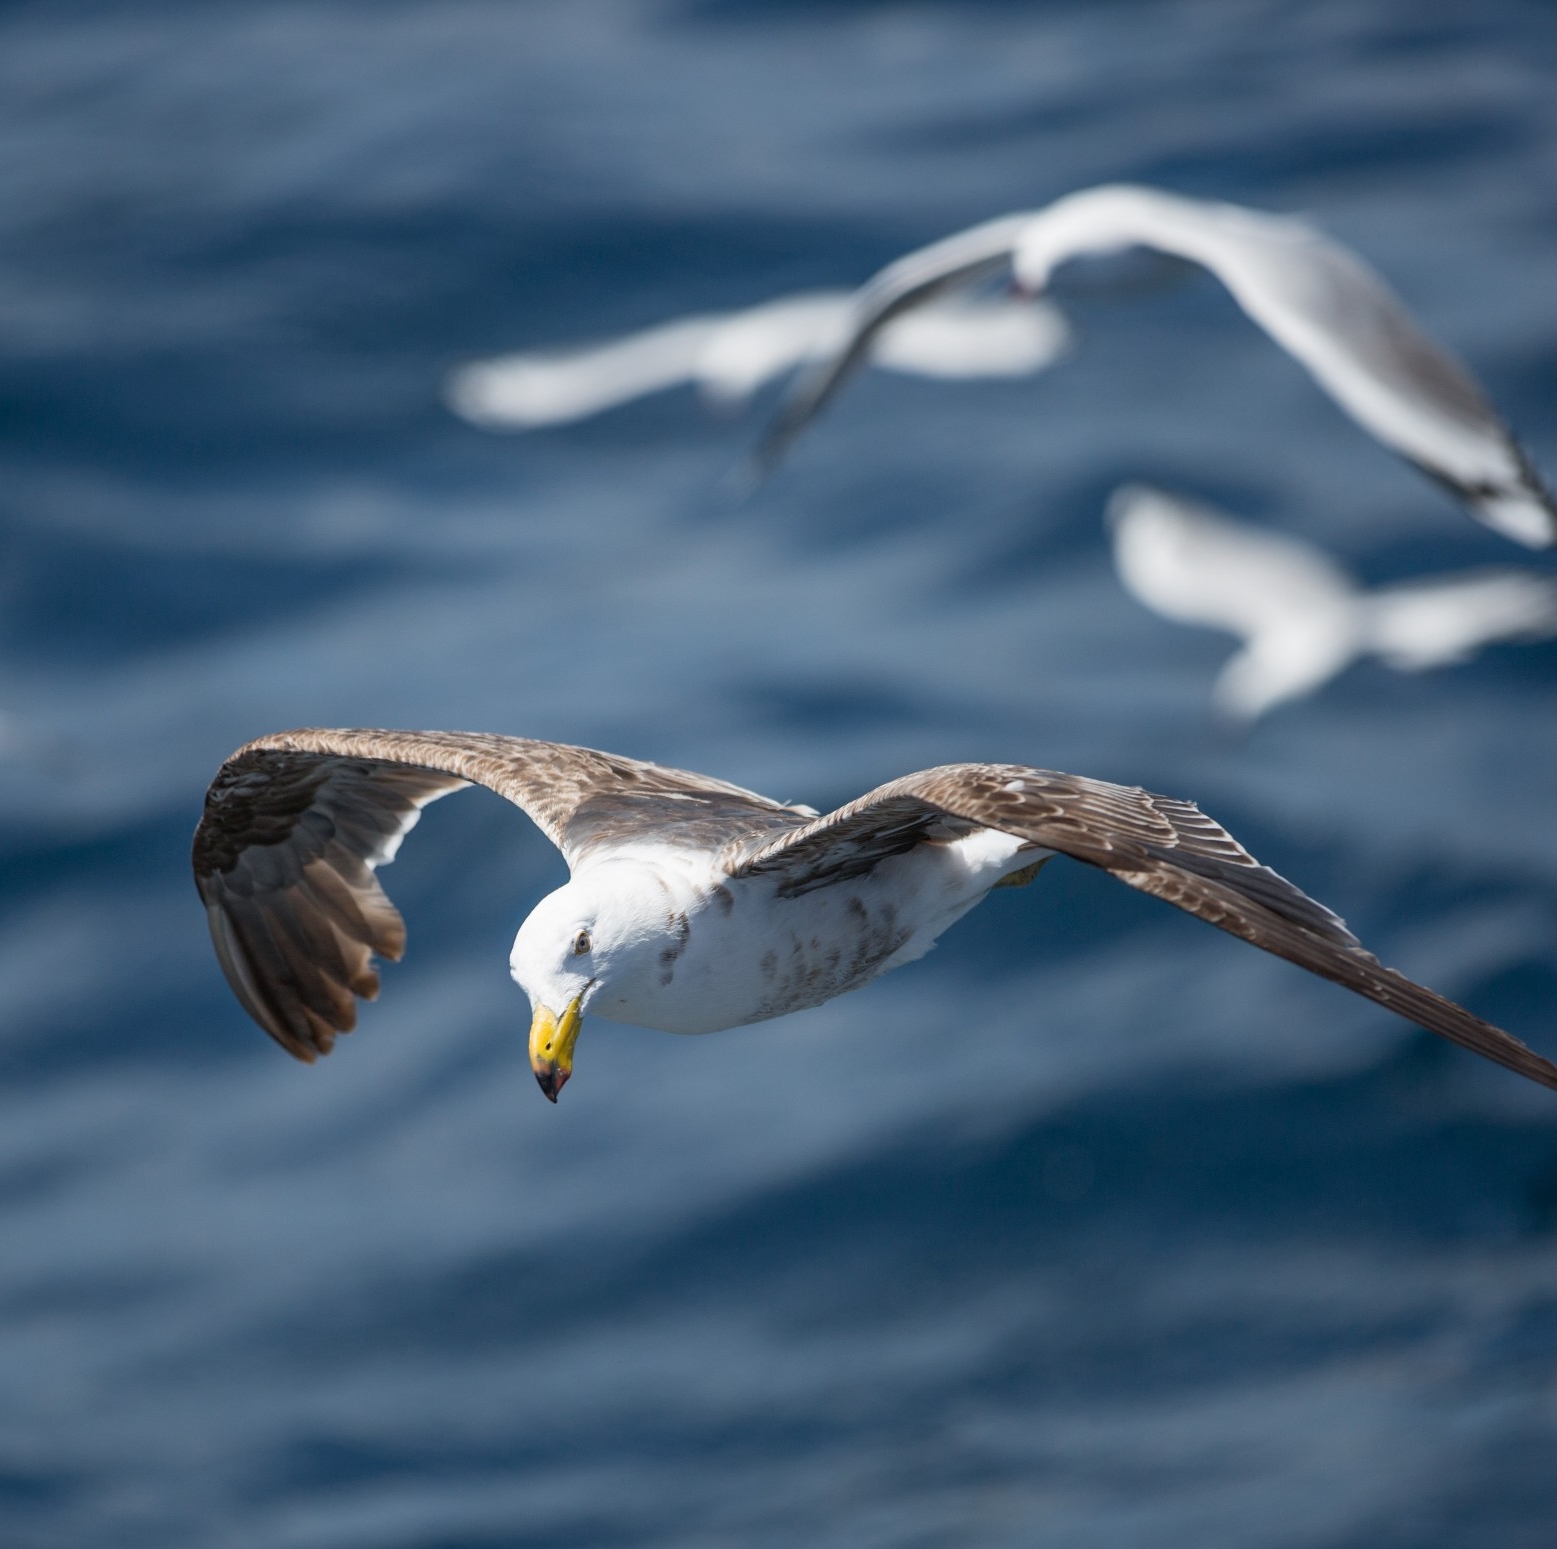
pixel 1094 1229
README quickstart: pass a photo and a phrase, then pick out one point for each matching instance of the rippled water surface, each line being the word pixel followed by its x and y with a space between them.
pixel 1095 1228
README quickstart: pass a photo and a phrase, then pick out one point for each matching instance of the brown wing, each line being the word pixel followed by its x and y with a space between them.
pixel 1159 845
pixel 295 824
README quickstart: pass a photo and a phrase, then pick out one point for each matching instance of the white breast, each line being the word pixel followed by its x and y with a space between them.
pixel 734 951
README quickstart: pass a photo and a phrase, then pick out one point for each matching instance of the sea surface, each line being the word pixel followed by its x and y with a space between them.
pixel 1096 1228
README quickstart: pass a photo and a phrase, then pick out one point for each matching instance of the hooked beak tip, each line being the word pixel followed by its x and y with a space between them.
pixel 551 1079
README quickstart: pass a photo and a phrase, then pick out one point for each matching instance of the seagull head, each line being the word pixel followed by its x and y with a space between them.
pixel 587 937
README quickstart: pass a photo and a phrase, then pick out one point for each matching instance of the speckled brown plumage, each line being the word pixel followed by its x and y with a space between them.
pixel 1162 846
pixel 294 825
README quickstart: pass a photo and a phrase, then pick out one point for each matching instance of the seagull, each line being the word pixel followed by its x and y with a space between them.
pixel 694 905
pixel 729 355
pixel 1302 618
pixel 1315 298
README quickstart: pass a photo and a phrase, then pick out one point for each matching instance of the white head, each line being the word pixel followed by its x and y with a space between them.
pixel 591 935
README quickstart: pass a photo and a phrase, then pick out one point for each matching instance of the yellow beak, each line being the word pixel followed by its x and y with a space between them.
pixel 551 1045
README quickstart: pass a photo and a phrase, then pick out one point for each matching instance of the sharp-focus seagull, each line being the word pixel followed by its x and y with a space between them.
pixel 694 905
pixel 1315 298
pixel 729 355
pixel 1302 617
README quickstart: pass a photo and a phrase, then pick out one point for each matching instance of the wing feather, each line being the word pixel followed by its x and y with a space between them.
pixel 1157 844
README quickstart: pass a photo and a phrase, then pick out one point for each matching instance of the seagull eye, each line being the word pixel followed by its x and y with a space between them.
pixel 581 943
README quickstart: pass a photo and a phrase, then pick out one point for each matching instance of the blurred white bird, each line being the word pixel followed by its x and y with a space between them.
pixel 1302 617
pixel 728 355
pixel 1316 299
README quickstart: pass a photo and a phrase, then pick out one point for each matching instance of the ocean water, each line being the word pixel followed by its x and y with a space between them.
pixel 1094 1228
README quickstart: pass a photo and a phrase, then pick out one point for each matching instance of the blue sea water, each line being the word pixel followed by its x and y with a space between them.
pixel 1095 1228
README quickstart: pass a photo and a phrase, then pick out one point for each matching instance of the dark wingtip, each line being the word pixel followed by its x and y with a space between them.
pixel 1528 492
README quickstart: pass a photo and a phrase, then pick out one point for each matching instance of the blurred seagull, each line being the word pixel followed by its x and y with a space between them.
pixel 729 355
pixel 1302 617
pixel 1315 298
pixel 695 905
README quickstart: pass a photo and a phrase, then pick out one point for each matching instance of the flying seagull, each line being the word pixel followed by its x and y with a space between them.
pixel 1301 617
pixel 1315 298
pixel 729 355
pixel 694 905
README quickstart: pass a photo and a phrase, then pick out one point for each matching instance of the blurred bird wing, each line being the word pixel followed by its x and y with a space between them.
pixel 956 337
pixel 1292 605
pixel 1438 622
pixel 1278 666
pixel 1334 313
pixel 973 337
pixel 751 347
pixel 730 355
pixel 1195 565
pixel 1159 845
pixel 296 824
pixel 554 387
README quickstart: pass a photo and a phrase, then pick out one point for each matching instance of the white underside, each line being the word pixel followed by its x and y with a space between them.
pixel 745 954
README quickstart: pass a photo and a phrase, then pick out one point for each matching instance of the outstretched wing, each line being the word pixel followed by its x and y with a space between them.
pixel 1441 620
pixel 1161 846
pixel 1315 298
pixel 558 386
pixel 1194 565
pixel 295 824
